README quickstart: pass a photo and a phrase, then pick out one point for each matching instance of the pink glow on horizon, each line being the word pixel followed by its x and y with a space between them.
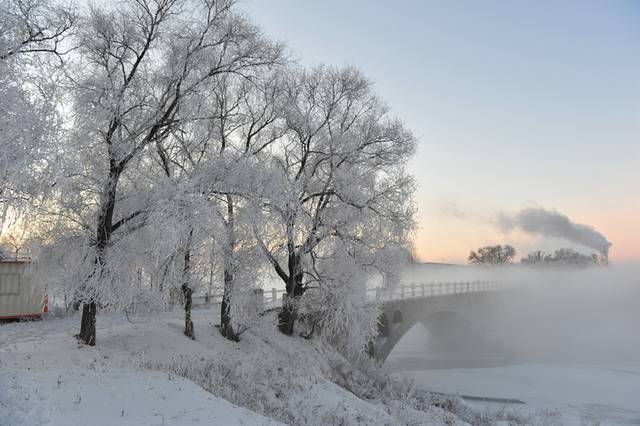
pixel 451 241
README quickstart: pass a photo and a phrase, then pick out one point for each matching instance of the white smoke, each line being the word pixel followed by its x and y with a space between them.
pixel 539 221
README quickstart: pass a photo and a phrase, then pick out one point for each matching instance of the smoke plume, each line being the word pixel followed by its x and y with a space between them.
pixel 553 224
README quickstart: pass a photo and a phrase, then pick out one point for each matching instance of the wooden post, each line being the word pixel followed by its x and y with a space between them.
pixel 274 295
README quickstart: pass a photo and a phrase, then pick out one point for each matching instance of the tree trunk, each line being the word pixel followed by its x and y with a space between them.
pixel 289 311
pixel 88 324
pixel 103 235
pixel 287 315
pixel 187 292
pixel 188 324
pixel 226 328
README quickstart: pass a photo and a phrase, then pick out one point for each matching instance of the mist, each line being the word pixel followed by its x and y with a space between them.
pixel 574 317
pixel 553 315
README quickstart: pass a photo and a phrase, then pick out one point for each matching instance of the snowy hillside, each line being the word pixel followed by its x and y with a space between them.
pixel 149 373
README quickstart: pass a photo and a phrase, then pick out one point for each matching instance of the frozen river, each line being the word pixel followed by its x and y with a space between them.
pixel 581 394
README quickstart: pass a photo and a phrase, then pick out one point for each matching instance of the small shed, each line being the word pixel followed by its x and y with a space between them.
pixel 17 297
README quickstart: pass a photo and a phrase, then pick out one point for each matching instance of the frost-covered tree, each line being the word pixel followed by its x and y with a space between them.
pixel 224 152
pixel 22 133
pixel 140 67
pixel 29 27
pixel 32 33
pixel 192 150
pixel 340 199
pixel 246 134
pixel 215 156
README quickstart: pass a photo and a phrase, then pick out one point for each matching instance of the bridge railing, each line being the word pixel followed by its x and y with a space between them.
pixel 430 289
pixel 273 298
pixel 270 298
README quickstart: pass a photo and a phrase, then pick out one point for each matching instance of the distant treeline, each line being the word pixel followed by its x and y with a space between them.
pixel 501 255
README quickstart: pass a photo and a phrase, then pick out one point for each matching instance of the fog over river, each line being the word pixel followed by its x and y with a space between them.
pixel 565 341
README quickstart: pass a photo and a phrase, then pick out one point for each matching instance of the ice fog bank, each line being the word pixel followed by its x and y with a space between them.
pixel 568 316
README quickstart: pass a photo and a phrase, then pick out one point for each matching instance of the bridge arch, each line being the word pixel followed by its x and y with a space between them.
pixel 445 325
pixel 454 313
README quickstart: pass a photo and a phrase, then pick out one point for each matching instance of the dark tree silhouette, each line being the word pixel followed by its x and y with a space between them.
pixel 492 255
pixel 563 257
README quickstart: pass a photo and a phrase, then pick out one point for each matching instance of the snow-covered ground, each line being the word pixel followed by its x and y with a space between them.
pixel 149 373
pixel 82 396
pixel 48 379
pixel 581 394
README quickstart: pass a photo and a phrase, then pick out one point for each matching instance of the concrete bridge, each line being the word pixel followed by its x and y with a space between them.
pixel 455 313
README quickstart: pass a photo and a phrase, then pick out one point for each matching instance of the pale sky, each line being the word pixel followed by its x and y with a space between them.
pixel 515 104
